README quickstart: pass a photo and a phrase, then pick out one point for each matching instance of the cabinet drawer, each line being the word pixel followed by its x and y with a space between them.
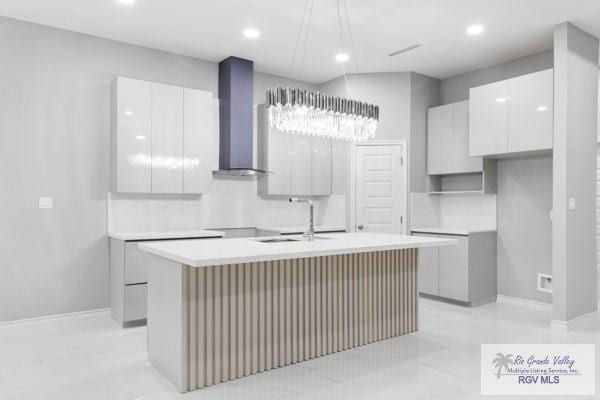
pixel 135 265
pixel 135 302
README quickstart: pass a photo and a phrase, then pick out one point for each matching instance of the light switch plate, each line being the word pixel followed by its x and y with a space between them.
pixel 571 203
pixel 45 202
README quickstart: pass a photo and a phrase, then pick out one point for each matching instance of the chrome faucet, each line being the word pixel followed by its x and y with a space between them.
pixel 310 233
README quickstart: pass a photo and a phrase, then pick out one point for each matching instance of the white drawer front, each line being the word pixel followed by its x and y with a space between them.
pixel 135 265
pixel 135 302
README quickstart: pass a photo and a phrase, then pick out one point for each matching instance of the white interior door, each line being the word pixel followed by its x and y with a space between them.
pixel 380 202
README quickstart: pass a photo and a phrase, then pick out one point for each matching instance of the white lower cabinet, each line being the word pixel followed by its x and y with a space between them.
pixel 465 272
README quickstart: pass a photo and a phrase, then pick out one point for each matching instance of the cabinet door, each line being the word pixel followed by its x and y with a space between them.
pixel 132 136
pixel 530 112
pixel 167 139
pixel 320 179
pixel 454 269
pixel 440 127
pixel 198 144
pixel 135 302
pixel 488 119
pixel 339 168
pixel 300 169
pixel 135 264
pixel 279 161
pixel 428 269
pixel 462 161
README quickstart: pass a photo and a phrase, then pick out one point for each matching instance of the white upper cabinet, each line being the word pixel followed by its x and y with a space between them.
pixel 339 166
pixel 320 167
pixel 488 119
pixel 132 145
pixel 198 143
pixel 299 165
pixel 448 140
pixel 301 170
pixel 463 162
pixel 512 116
pixel 167 139
pixel 163 138
pixel 440 139
pixel 530 118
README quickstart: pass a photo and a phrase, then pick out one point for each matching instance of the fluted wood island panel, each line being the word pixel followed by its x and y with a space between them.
pixel 212 323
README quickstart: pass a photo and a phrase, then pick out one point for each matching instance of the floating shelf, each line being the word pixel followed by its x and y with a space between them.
pixel 465 183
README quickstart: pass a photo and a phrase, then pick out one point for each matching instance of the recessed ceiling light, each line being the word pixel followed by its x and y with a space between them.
pixel 251 33
pixel 474 30
pixel 126 2
pixel 140 137
pixel 129 113
pixel 342 57
pixel 542 108
pixel 501 100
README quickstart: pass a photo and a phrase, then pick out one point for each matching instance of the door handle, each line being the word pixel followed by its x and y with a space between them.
pixel 360 227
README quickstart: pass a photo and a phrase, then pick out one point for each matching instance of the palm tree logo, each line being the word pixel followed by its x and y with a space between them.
pixel 501 361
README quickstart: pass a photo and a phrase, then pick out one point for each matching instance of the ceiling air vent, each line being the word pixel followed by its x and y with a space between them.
pixel 404 50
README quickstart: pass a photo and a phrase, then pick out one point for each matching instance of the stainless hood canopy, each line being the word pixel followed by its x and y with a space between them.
pixel 235 118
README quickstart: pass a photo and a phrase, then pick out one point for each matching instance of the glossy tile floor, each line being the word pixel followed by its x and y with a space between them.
pixel 89 357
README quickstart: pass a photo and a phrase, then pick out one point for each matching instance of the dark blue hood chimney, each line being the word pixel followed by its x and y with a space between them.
pixel 236 77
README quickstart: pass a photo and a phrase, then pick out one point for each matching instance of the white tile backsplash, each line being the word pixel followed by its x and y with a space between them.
pixel 231 203
pixel 467 211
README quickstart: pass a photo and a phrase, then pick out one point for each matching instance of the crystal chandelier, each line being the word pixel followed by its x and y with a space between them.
pixel 314 113
pixel 304 112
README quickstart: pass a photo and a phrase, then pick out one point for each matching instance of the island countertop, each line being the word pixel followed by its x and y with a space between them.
pixel 207 252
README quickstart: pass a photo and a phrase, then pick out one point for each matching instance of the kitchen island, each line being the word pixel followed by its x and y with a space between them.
pixel 221 309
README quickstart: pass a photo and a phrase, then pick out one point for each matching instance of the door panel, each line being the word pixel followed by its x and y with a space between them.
pixel 198 145
pixel 428 269
pixel 531 112
pixel 454 269
pixel 380 189
pixel 320 167
pixel 462 161
pixel 301 164
pixel 167 139
pixel 440 121
pixel 133 137
pixel 488 119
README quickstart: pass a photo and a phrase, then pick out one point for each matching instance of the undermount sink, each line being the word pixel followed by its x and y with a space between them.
pixel 279 240
pixel 289 239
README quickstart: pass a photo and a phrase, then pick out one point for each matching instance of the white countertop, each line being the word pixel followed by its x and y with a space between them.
pixel 201 253
pixel 452 230
pixel 199 233
pixel 286 230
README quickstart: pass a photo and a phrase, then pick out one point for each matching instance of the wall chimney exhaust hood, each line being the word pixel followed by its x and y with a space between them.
pixel 235 118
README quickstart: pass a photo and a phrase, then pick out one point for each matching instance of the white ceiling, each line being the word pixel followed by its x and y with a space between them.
pixel 211 30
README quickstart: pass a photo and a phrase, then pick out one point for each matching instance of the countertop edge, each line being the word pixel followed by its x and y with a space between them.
pixel 286 256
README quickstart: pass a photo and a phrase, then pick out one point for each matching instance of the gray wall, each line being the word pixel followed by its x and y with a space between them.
pixel 456 88
pixel 403 99
pixel 524 201
pixel 390 91
pixel 574 169
pixel 55 141
pixel 523 185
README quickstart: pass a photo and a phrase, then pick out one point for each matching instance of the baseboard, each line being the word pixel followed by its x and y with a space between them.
pixel 572 323
pixel 525 303
pixel 56 316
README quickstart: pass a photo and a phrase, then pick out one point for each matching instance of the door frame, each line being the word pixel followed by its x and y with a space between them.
pixel 403 143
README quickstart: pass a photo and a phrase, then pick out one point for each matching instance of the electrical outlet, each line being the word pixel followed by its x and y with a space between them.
pixel 45 202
